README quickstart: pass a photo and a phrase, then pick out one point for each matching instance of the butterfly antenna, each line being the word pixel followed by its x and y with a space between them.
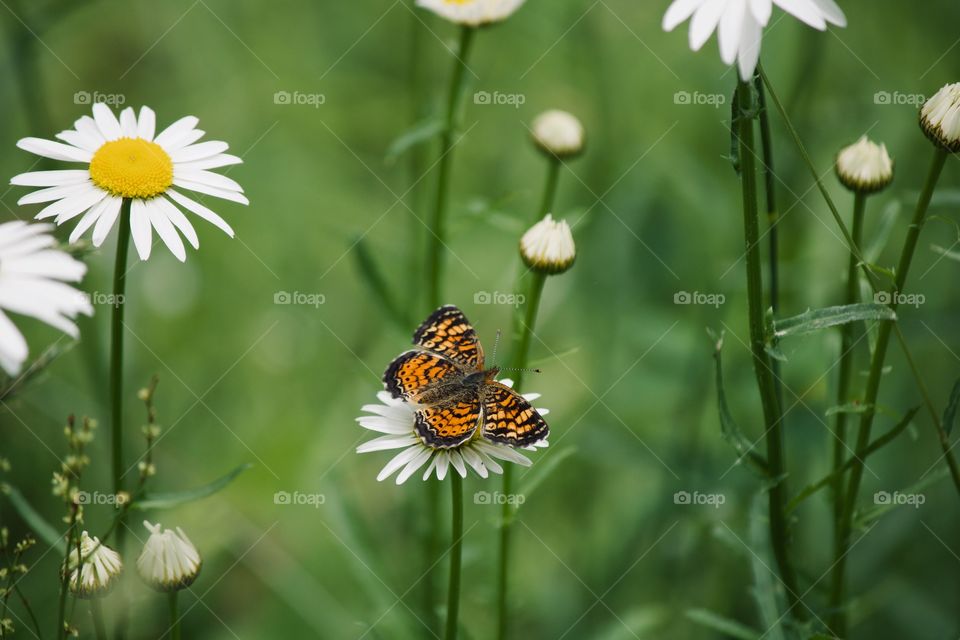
pixel 524 369
pixel 496 343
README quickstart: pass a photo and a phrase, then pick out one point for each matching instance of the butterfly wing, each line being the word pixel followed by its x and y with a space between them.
pixel 414 372
pixel 509 419
pixel 449 425
pixel 448 332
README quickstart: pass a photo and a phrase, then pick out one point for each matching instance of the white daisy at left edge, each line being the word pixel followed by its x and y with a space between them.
pixel 32 283
pixel 395 419
pixel 124 160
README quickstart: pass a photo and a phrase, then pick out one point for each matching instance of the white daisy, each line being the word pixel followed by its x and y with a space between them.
pixel 395 418
pixel 739 24
pixel 32 277
pixel 548 246
pixel 169 560
pixel 99 569
pixel 126 161
pixel 473 13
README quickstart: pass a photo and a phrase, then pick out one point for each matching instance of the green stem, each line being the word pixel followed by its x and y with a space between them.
pixel 875 376
pixel 772 412
pixel 174 615
pixel 456 554
pixel 96 612
pixel 116 380
pixel 550 187
pixel 520 355
pixel 437 240
pixel 848 336
pixel 65 578
pixel 915 371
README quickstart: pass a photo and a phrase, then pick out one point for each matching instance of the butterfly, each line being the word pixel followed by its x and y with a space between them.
pixel 458 397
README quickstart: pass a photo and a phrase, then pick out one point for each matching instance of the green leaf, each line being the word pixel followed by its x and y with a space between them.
pixel 420 133
pixel 946 253
pixel 888 221
pixel 172 499
pixel 726 626
pixel 817 319
pixel 950 413
pixel 728 426
pixel 374 279
pixel 543 470
pixel 868 516
pixel 37 523
pixel 873 447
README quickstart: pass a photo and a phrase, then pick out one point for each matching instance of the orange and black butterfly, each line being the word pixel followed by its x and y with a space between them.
pixel 458 398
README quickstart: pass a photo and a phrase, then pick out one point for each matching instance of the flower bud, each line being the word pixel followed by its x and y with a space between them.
pixel 547 247
pixel 98 570
pixel 940 117
pixel 558 133
pixel 865 166
pixel 169 560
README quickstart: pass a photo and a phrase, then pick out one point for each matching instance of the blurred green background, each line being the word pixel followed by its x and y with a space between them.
pixel 601 548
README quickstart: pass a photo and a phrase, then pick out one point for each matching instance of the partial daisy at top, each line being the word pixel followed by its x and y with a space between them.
pixel 739 24
pixel 33 282
pixel 125 160
pixel 473 13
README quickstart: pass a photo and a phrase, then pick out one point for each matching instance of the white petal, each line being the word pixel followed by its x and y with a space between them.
pixel 51 178
pixel 211 191
pixel 140 229
pixel 750 42
pixel 179 221
pixel 74 205
pixel 471 458
pixel 679 11
pixel 384 443
pixel 198 151
pixel 13 346
pixel 728 33
pixel 54 150
pixel 457 463
pixel 418 461
pixel 88 127
pixel 57 193
pixel 832 12
pixel 215 162
pixel 443 463
pixel 88 219
pixel 111 209
pixel 201 211
pixel 704 22
pixel 128 123
pixel 208 178
pixel 146 123
pixel 165 229
pixel 398 461
pixel 106 122
pixel 179 128
pixel 77 139
pixel 805 10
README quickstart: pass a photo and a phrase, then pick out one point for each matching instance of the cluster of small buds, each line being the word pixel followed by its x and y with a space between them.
pixel 147 469
pixel 151 430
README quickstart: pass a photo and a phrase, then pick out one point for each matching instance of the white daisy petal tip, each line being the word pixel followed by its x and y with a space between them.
pixel 125 161
pixel 472 13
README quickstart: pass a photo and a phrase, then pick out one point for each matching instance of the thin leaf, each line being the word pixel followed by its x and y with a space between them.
pixel 377 283
pixel 888 221
pixel 420 133
pixel 37 523
pixel 868 516
pixel 728 426
pixel 172 499
pixel 946 253
pixel 726 626
pixel 873 447
pixel 950 413
pixel 542 471
pixel 817 319
pixel 850 407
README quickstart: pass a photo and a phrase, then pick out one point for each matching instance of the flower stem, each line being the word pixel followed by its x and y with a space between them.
pixel 434 268
pixel 866 267
pixel 873 384
pixel 174 615
pixel 520 354
pixel 772 411
pixel 96 612
pixel 116 380
pixel 550 187
pixel 456 554
pixel 848 335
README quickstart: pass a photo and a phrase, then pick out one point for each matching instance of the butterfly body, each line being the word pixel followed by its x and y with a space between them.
pixel 459 398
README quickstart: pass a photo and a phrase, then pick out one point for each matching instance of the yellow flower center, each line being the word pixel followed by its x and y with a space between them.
pixel 132 168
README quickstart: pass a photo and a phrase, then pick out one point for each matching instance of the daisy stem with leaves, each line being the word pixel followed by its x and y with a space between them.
pixel 437 240
pixel 873 383
pixel 762 362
